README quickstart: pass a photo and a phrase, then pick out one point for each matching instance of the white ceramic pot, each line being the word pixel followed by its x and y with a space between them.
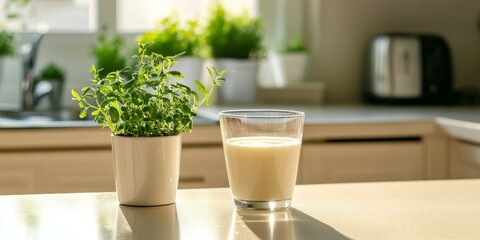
pixel 191 68
pixel 289 68
pixel 241 85
pixel 146 169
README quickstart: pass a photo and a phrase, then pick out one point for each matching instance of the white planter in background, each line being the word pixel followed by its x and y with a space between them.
pixel 191 68
pixel 146 169
pixel 241 85
pixel 289 68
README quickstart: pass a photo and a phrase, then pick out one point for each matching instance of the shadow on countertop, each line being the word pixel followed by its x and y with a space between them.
pixel 288 224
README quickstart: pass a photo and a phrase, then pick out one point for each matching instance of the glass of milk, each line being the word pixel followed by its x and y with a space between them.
pixel 262 150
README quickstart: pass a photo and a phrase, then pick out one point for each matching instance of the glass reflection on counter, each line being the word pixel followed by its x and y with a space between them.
pixel 265 225
pixel 288 224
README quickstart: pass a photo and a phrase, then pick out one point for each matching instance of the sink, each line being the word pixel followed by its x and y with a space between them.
pixel 11 119
pixel 37 116
pixel 65 118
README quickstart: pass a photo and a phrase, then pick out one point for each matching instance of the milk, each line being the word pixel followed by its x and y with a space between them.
pixel 262 168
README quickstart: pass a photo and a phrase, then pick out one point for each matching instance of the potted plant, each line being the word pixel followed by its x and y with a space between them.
pixel 147 113
pixel 6 46
pixel 12 11
pixel 52 72
pixel 6 43
pixel 107 54
pixel 289 63
pixel 54 76
pixel 235 43
pixel 171 37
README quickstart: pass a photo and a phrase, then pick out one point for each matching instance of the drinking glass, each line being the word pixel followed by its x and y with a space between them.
pixel 262 150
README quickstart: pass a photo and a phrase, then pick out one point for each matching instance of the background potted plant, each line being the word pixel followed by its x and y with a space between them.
pixel 171 37
pixel 107 53
pixel 235 43
pixel 12 11
pixel 54 76
pixel 6 46
pixel 147 113
pixel 6 42
pixel 289 63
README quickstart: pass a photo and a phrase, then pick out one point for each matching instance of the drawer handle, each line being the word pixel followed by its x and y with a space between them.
pixel 192 179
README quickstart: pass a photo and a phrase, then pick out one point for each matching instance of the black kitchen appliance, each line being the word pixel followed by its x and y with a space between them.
pixel 409 69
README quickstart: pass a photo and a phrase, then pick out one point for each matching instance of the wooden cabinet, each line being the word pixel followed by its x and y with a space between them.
pixel 362 161
pixel 203 167
pixel 80 160
pixel 56 171
pixel 464 159
pixel 54 160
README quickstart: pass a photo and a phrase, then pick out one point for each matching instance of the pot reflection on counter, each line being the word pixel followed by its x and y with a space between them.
pixel 147 222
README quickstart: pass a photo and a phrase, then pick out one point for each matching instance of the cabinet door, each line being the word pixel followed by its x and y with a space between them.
pixel 56 171
pixel 202 167
pixel 464 160
pixel 362 161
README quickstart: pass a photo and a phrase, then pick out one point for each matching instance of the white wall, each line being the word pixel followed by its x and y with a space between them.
pixel 340 38
pixel 71 52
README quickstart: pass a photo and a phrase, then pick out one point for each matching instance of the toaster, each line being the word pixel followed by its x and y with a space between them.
pixel 409 69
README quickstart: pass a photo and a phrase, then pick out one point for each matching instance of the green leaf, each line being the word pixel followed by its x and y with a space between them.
pixel 215 70
pixel 76 96
pixel 83 113
pixel 129 84
pixel 182 86
pixel 219 83
pixel 13 15
pixel 114 116
pixel 176 74
pixel 111 76
pixel 195 96
pixel 210 72
pixel 201 88
pixel 104 103
pixel 148 109
pixel 207 100
pixel 96 112
pixel 178 55
pixel 223 73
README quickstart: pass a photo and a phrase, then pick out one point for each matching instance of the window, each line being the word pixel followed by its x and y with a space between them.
pixel 141 15
pixel 52 15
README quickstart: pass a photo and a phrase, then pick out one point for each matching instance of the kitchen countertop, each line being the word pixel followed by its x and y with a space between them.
pixel 364 113
pixel 314 115
pixel 459 122
pixel 443 209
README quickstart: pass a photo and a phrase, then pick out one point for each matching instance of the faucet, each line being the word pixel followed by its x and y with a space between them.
pixel 28 81
pixel 34 89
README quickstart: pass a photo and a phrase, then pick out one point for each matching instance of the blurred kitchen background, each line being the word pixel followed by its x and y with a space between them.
pixel 337 34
